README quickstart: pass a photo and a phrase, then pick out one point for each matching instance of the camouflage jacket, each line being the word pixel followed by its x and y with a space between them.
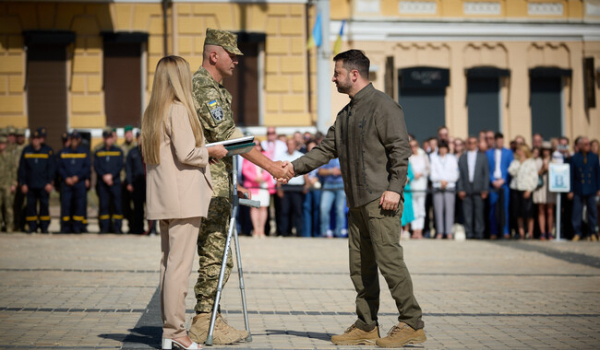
pixel 213 105
pixel 8 169
pixel 126 147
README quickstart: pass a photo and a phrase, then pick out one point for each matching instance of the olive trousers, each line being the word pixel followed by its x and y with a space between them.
pixel 374 241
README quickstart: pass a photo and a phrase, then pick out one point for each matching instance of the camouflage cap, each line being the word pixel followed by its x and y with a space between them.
pixel 223 38
pixel 20 132
pixel 3 139
pixel 10 130
pixel 3 132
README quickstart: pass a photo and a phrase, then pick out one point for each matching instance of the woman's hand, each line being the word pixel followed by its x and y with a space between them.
pixel 526 194
pixel 217 151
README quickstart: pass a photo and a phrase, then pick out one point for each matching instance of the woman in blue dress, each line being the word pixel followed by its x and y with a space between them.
pixel 408 214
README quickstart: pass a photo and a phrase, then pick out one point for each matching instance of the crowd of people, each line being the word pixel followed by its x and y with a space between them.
pixel 476 184
pixel 30 172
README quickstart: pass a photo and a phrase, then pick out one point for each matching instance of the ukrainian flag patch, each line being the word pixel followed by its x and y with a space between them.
pixel 212 103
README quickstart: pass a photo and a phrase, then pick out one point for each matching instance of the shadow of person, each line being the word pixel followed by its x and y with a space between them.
pixel 303 334
pixel 144 335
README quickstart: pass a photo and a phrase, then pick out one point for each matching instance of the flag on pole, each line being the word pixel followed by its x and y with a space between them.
pixel 337 47
pixel 315 38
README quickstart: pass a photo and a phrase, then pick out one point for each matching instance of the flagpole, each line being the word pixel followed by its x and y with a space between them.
pixel 324 70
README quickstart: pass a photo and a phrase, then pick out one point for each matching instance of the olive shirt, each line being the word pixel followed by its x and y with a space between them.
pixel 370 139
pixel 213 105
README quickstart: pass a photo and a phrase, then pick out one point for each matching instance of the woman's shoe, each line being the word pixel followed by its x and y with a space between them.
pixel 167 344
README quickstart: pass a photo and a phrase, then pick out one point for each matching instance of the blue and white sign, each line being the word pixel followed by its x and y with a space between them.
pixel 559 177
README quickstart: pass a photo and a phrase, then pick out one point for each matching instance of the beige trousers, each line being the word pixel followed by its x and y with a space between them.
pixel 178 246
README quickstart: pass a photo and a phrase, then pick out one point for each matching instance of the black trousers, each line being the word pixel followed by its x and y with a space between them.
pixel 32 216
pixel 136 225
pixel 73 207
pixel 473 206
pixel 291 210
pixel 109 195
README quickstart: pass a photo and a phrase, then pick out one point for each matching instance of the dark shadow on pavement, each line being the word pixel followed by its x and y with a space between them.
pixel 313 335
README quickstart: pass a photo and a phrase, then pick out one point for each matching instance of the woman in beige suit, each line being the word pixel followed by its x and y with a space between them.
pixel 178 187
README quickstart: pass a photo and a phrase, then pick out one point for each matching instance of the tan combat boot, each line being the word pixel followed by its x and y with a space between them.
pixel 223 334
pixel 356 336
pixel 401 335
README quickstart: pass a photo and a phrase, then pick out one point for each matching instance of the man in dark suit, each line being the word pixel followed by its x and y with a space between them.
pixel 585 186
pixel 499 159
pixel 472 187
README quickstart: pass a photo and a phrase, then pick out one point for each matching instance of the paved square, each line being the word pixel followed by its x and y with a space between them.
pixel 99 292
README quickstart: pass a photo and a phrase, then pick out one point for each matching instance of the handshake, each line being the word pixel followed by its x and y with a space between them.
pixel 283 172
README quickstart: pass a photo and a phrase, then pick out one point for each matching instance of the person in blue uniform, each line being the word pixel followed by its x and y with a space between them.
pixel 108 162
pixel 585 186
pixel 74 167
pixel 36 176
pixel 136 186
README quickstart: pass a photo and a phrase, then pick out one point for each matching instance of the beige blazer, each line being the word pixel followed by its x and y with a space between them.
pixel 180 186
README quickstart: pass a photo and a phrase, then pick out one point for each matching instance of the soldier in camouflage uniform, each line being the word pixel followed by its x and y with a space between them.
pixel 213 104
pixel 126 197
pixel 19 197
pixel 8 184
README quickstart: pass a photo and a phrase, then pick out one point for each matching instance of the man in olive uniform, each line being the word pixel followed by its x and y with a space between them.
pixel 74 167
pixel 19 198
pixel 213 104
pixel 8 184
pixel 126 198
pixel 370 139
pixel 36 175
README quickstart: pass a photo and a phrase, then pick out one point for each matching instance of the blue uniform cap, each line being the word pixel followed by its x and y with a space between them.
pixel 75 134
pixel 41 132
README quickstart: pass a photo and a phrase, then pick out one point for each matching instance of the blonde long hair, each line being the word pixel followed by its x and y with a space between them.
pixel 172 82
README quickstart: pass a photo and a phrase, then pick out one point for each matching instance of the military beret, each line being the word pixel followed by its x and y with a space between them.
pixel 3 139
pixel 20 132
pixel 128 128
pixel 41 132
pixel 223 38
pixel 10 130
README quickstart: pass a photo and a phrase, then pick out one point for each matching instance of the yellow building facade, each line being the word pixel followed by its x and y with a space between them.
pixel 514 66
pixel 534 62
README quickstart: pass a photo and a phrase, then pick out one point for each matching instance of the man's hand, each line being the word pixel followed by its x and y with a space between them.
pixel 336 172
pixel 13 189
pixel 108 179
pixel 462 194
pixel 389 200
pixel 69 181
pixel 498 183
pixel 217 151
pixel 289 173
pixel 242 192
pixel 48 188
pixel 87 184
pixel 130 188
pixel 280 192
pixel 75 179
pixel 484 194
pixel 444 184
pixel 570 196
pixel 24 189
pixel 279 170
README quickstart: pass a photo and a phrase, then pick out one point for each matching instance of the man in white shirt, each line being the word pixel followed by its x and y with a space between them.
pixel 473 188
pixel 274 147
pixel 291 196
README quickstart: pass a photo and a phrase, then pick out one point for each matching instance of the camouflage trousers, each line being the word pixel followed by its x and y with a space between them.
pixel 211 246
pixel 6 208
